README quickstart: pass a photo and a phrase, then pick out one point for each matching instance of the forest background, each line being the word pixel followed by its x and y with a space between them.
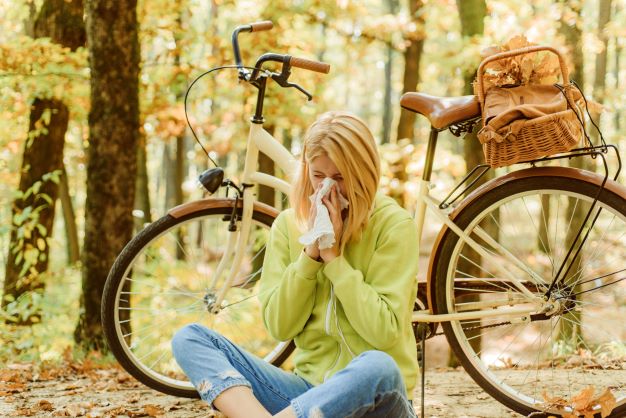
pixel 62 223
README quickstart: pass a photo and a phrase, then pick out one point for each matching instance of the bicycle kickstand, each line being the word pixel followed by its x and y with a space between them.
pixel 423 330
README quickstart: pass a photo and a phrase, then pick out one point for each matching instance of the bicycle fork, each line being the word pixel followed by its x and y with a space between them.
pixel 235 245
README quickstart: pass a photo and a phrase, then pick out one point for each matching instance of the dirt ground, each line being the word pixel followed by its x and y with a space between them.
pixel 449 393
pixel 96 388
pixel 85 389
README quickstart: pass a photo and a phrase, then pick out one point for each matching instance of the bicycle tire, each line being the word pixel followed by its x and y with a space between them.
pixel 499 375
pixel 113 303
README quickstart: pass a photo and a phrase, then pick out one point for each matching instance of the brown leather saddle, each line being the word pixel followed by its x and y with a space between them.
pixel 441 111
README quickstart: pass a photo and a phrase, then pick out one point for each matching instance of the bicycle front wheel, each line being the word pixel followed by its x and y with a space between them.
pixel 165 279
pixel 527 362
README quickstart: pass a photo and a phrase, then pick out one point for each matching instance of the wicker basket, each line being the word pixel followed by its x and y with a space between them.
pixel 539 137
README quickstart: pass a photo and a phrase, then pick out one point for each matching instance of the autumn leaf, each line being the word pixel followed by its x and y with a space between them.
pixel 516 42
pixel 10 376
pixel 582 404
pixel 72 410
pixel 607 402
pixel 582 400
pixel 24 412
pixel 153 410
pixel 45 405
pixel 533 68
pixel 489 51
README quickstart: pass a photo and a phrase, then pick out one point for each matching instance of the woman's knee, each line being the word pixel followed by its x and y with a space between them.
pixel 381 367
pixel 188 336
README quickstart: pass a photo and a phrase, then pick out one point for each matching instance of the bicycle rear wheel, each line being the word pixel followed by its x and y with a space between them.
pixel 162 280
pixel 581 342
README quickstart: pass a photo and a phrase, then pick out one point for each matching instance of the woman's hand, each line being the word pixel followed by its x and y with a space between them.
pixel 313 250
pixel 332 203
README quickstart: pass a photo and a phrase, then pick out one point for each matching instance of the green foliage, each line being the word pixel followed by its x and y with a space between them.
pixel 23 309
pixel 52 336
pixel 26 225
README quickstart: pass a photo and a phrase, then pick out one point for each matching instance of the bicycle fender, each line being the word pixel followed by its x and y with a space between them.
pixel 197 205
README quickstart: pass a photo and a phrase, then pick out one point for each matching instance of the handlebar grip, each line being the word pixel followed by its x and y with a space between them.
pixel 260 26
pixel 320 67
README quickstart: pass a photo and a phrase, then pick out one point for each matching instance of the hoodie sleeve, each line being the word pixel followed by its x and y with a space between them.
pixel 287 291
pixel 378 302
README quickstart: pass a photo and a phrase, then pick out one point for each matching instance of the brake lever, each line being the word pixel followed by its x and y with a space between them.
pixel 282 77
pixel 308 95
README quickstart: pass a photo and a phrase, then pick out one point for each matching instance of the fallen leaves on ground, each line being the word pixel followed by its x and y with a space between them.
pixel 85 388
pixel 583 403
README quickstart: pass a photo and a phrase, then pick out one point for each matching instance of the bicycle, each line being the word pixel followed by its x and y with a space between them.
pixel 509 267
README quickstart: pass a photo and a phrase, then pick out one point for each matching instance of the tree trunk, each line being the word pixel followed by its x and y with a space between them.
pixel 472 14
pixel 599 81
pixel 179 176
pixel 112 165
pixel 568 332
pixel 387 113
pixel 392 7
pixel 573 41
pixel 412 58
pixel 69 218
pixel 61 21
pixel 616 69
pixel 142 196
pixel 174 171
pixel 33 211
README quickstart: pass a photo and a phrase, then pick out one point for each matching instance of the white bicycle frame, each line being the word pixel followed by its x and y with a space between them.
pixel 260 140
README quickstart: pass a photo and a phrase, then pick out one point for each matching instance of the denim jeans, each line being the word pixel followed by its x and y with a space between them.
pixel 370 386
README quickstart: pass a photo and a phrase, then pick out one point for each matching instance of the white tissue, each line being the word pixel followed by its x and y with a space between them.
pixel 322 227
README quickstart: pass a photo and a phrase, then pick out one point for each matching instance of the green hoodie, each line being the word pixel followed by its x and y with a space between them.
pixel 361 300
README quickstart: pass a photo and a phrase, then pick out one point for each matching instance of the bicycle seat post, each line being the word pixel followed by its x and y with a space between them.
pixel 430 153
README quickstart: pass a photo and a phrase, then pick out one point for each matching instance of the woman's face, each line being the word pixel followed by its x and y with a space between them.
pixel 322 167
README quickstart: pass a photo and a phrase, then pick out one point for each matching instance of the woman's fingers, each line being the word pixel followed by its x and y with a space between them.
pixel 313 207
pixel 331 201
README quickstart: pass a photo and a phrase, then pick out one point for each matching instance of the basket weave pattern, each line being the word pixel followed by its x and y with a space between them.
pixel 539 137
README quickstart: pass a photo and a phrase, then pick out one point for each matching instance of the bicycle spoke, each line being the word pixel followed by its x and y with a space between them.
pixel 579 272
pixel 487 271
pixel 574 346
pixel 155 362
pixel 556 232
pixel 545 225
pixel 530 217
pixel 539 352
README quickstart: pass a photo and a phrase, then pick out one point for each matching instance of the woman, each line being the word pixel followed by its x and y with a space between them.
pixel 347 307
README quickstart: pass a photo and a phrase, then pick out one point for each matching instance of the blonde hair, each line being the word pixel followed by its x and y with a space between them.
pixel 347 141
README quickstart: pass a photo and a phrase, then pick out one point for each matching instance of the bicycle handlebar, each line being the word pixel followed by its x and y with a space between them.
pixel 261 26
pixel 252 27
pixel 320 67
pixel 287 61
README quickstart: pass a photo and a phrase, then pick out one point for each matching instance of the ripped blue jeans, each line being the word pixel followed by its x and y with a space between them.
pixel 370 386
